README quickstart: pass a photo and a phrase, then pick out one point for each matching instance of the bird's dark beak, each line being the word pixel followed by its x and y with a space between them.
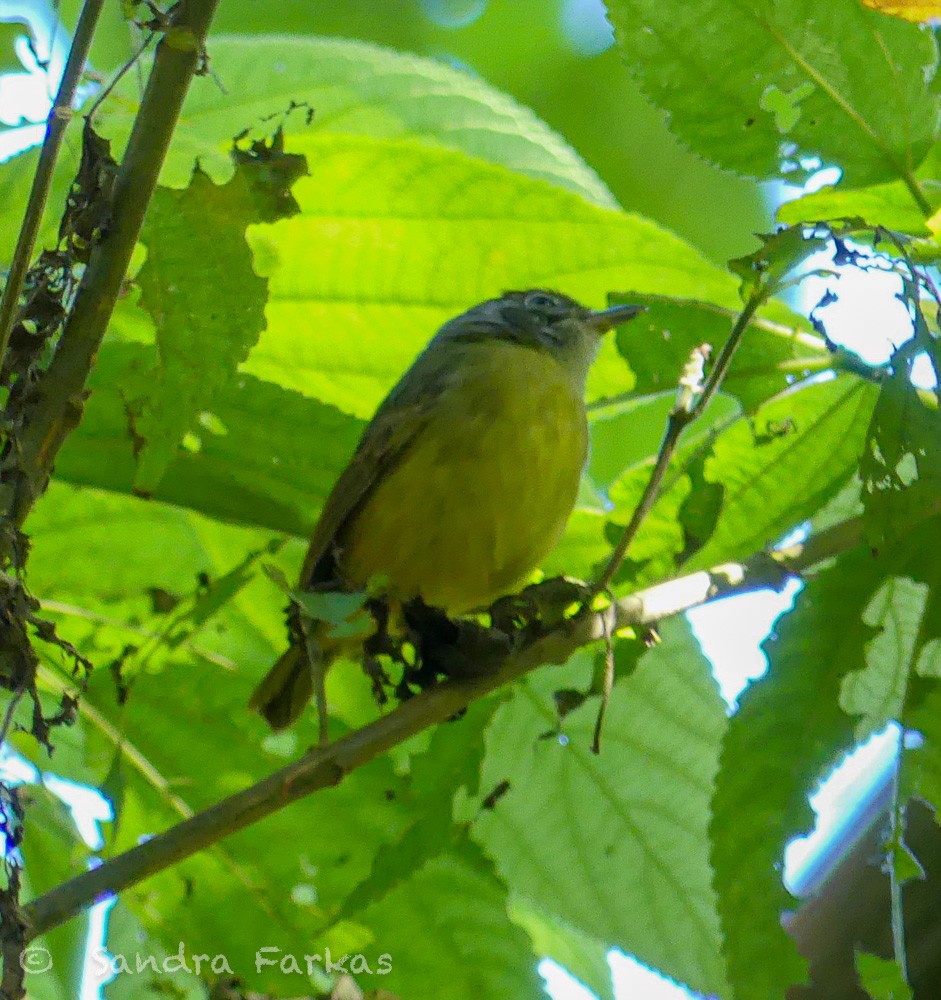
pixel 607 319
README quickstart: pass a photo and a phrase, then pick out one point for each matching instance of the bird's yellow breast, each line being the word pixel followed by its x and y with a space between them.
pixel 484 491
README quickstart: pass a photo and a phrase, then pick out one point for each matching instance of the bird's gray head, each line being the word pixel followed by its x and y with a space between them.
pixel 544 320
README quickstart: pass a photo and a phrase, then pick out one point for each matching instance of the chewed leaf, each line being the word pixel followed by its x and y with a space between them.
pixel 207 303
pixel 901 462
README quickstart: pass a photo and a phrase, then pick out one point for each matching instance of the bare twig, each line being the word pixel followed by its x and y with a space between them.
pixel 897 918
pixel 59 116
pixel 116 79
pixel 689 406
pixel 324 767
pixel 607 684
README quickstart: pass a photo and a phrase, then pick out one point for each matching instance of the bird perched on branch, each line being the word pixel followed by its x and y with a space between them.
pixel 464 479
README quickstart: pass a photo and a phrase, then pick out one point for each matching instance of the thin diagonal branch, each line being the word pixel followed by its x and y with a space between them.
pixel 683 414
pixel 59 116
pixel 326 766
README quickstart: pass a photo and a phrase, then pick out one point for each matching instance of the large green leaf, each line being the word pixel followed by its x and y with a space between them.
pixel 395 238
pixel 354 87
pixel 10 30
pixel 760 85
pixel 615 845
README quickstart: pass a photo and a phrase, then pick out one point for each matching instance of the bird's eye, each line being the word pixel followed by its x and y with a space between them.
pixel 540 300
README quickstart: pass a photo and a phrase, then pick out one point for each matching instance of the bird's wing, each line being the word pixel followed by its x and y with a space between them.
pixel 396 425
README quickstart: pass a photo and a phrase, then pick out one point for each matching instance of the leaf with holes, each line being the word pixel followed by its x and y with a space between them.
pixel 901 463
pixel 205 299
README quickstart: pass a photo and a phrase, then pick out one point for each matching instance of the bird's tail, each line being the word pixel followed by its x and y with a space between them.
pixel 285 689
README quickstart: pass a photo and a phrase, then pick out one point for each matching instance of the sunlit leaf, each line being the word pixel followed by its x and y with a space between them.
pixel 910 10
pixel 361 89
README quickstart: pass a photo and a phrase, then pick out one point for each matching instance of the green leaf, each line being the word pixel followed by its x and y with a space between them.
pixel 10 30
pixel 778 468
pixel 901 463
pixel 920 772
pixel 429 233
pixel 252 466
pixel 615 845
pixel 771 357
pixel 757 87
pixel 450 765
pixel 581 956
pixel 361 89
pixel 52 852
pixel 876 693
pixel 206 301
pixel 788 731
pixel 448 926
pixel 889 205
pixel 882 978
pixel 16 177
pixel 627 435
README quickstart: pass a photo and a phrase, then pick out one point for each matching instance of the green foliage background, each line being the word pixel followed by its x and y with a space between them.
pixel 238 373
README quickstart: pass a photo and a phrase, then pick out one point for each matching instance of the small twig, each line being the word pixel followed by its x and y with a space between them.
pixel 895 884
pixel 8 715
pixel 313 655
pixel 607 684
pixel 689 406
pixel 59 116
pixel 116 79
pixel 918 196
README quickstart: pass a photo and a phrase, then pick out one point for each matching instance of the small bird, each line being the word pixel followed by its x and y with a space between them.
pixel 465 477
